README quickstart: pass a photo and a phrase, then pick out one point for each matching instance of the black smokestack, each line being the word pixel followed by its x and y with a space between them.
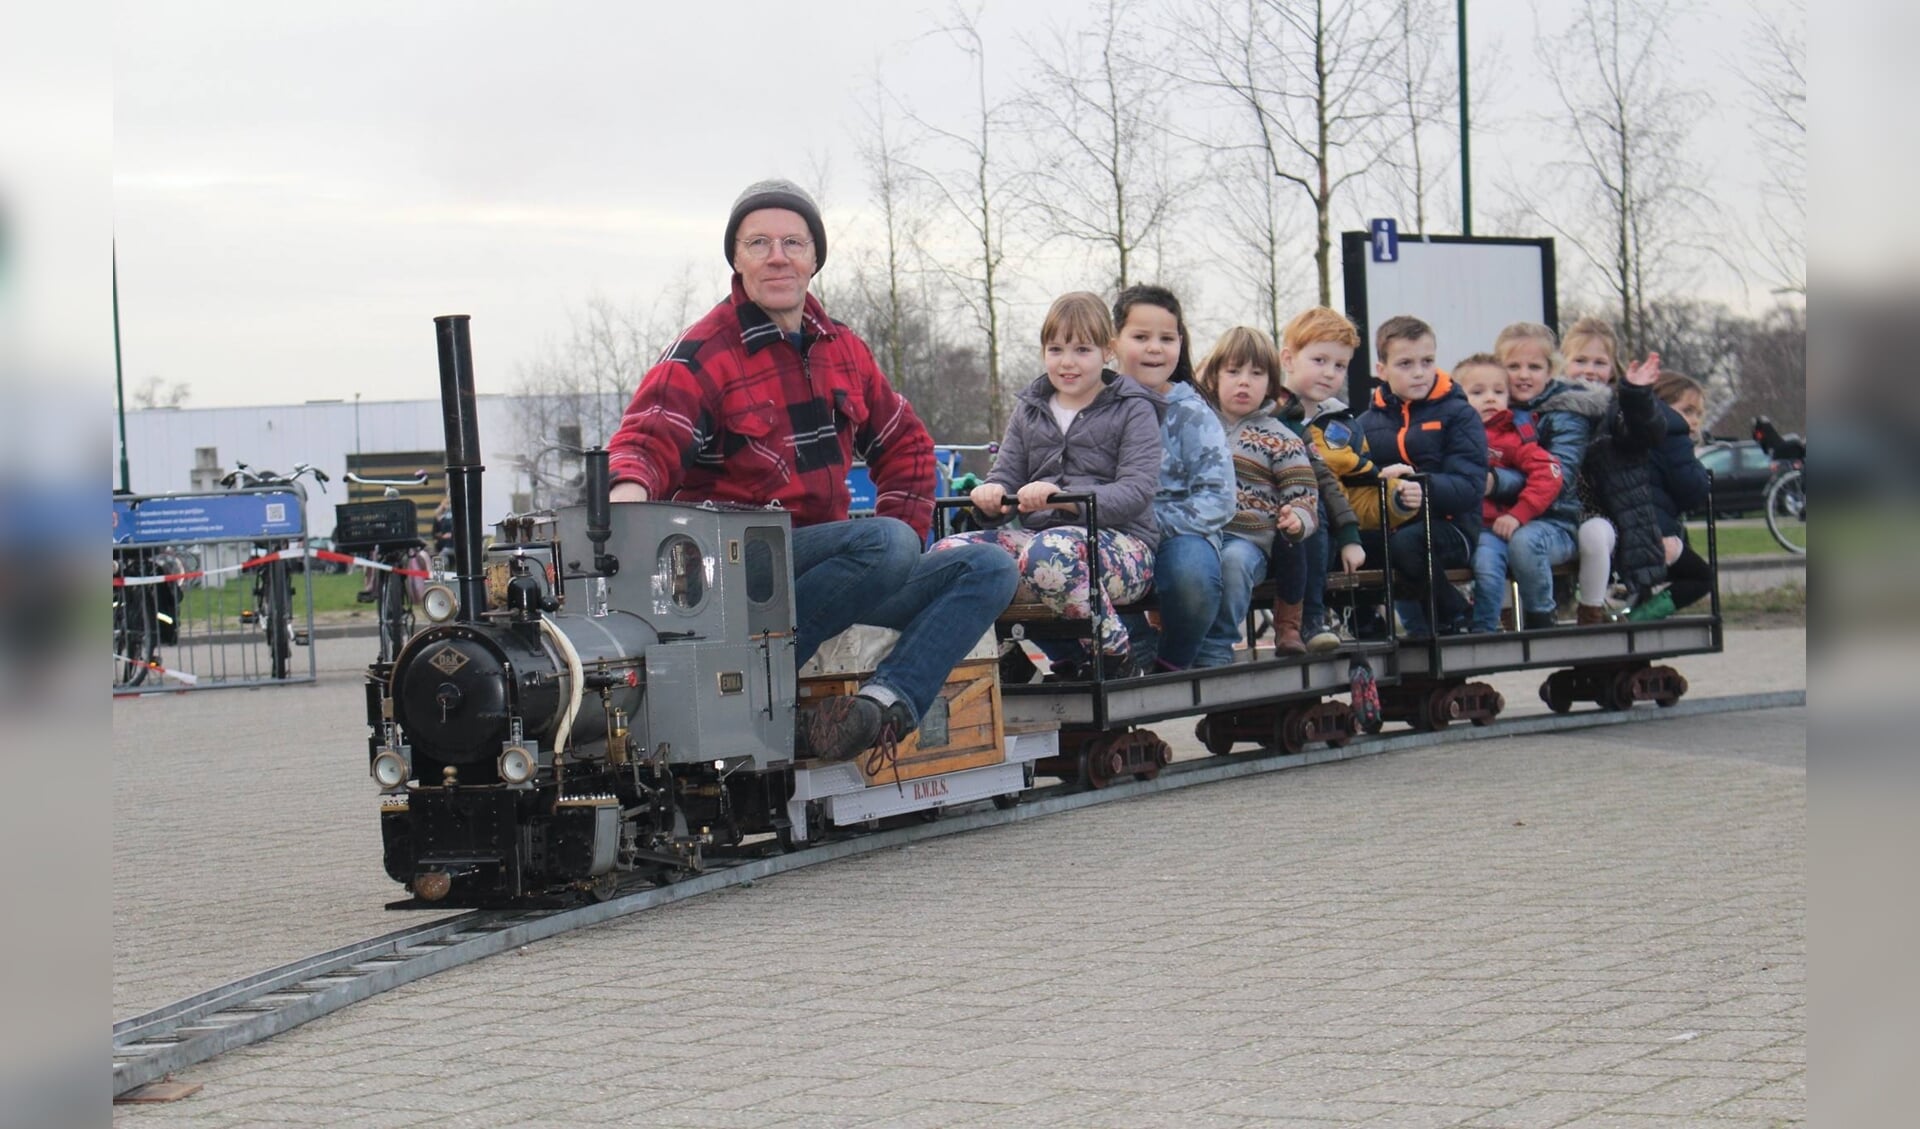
pixel 462 422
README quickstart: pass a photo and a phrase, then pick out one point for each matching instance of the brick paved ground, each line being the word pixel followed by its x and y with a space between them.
pixel 1597 929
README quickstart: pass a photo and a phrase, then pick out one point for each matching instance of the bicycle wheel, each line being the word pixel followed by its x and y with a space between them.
pixel 279 618
pixel 135 642
pixel 1787 511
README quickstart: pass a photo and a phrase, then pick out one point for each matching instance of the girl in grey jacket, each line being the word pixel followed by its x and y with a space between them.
pixel 1080 429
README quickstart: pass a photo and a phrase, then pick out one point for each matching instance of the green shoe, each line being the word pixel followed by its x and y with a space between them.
pixel 1657 606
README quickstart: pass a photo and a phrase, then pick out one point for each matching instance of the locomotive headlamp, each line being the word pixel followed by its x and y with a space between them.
pixel 516 764
pixel 389 770
pixel 439 602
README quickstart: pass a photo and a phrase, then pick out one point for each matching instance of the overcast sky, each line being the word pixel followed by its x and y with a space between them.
pixel 300 189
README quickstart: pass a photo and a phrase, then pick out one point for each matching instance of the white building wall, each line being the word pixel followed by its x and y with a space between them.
pixel 161 443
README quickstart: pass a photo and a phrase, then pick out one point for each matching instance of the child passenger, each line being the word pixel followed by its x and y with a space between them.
pixel 1077 429
pixel 1618 530
pixel 1422 414
pixel 1316 348
pixel 1565 417
pixel 1196 493
pixel 1277 493
pixel 1679 486
pixel 1510 446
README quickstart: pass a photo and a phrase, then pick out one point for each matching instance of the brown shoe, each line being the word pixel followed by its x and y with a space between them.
pixel 840 728
pixel 1591 615
pixel 1286 629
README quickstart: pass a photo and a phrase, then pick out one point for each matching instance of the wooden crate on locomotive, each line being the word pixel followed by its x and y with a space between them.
pixel 964 728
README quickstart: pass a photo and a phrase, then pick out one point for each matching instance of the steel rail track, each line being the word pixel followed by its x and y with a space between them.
pixel 148 1047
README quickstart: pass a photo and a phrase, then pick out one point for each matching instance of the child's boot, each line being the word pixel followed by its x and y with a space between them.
pixel 1590 615
pixel 1286 629
pixel 1657 606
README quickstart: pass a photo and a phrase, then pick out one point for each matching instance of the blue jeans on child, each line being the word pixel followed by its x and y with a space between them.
pixel 941 603
pixel 1301 577
pixel 1535 548
pixel 1242 565
pixel 1186 579
pixel 1410 570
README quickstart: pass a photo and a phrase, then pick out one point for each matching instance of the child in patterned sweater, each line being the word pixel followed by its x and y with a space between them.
pixel 1276 494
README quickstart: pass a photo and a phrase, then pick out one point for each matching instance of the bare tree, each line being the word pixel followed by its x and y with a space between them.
pixel 154 392
pixel 1634 211
pixel 1103 169
pixel 1424 95
pixel 890 180
pixel 1776 74
pixel 978 193
pixel 1253 234
pixel 1311 82
pixel 573 394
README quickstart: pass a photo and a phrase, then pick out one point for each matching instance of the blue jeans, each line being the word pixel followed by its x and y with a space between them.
pixel 1186 578
pixel 1300 577
pixel 1535 548
pixel 1489 580
pixel 1410 563
pixel 1242 564
pixel 940 603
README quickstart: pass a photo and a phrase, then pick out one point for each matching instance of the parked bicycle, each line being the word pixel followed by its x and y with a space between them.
pixel 388 530
pixel 272 580
pixel 1787 489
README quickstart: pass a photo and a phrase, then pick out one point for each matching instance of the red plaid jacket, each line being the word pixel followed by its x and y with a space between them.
pixel 732 412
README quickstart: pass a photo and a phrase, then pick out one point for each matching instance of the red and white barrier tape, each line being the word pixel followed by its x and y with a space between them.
pixel 176 675
pixel 283 554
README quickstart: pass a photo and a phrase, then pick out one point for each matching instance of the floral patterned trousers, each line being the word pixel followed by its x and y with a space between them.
pixel 1053 569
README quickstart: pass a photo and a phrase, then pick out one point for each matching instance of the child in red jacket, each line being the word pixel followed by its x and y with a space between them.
pixel 1510 444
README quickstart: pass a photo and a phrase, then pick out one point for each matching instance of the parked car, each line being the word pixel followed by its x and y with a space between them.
pixel 1741 471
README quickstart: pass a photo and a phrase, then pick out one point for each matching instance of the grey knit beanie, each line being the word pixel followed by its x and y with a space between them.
pixel 776 193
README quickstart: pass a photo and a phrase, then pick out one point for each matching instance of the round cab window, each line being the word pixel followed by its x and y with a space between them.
pixel 682 572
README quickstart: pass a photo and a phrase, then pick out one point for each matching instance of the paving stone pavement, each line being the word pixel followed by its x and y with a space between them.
pixel 1587 929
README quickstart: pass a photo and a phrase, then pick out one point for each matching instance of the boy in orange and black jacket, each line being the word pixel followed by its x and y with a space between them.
pixel 1421 419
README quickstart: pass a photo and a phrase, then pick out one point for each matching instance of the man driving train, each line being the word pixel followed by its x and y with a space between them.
pixel 768 399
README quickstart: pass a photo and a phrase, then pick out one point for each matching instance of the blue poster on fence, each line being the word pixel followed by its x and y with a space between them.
pixel 185 519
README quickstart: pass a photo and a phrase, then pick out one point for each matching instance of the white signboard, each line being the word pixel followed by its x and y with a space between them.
pixel 1466 288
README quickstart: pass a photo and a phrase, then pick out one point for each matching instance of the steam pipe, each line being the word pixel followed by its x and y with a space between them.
pixel 459 415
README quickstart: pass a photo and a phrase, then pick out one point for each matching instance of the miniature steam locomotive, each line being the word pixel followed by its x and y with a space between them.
pixel 616 693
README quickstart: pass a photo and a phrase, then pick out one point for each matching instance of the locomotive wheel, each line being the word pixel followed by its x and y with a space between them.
pixel 1293 731
pixel 1213 735
pixel 1341 731
pixel 1617 693
pixel 1554 692
pixel 1100 762
pixel 603 888
pixel 1007 801
pixel 1440 709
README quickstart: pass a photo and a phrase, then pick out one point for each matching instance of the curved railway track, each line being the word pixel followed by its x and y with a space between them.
pixel 147 1048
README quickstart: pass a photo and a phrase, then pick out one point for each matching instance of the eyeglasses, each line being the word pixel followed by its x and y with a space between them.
pixel 760 246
